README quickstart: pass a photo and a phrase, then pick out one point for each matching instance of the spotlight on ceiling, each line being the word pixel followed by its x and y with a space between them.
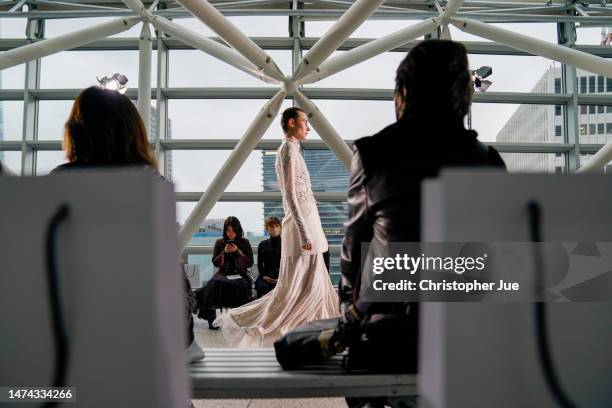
pixel 114 82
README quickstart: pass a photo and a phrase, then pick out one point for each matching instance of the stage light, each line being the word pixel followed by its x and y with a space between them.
pixel 114 82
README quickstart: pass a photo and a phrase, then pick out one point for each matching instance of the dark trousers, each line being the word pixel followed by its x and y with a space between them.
pixel 263 287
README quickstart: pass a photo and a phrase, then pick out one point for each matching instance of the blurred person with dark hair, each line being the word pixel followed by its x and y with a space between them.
pixel 268 258
pixel 433 94
pixel 304 291
pixel 230 286
pixel 104 129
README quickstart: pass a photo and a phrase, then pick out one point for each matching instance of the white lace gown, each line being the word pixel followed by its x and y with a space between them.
pixel 304 291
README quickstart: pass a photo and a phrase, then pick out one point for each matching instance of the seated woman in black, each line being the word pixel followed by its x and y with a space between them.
pixel 230 286
pixel 268 258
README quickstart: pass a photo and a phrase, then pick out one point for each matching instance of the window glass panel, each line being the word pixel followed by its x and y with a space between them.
pixel 533 162
pixel 540 74
pixel 218 118
pixel 597 125
pixel 13 27
pixel 583 109
pixel 600 84
pixel 13 77
pixel 11 160
pixel 591 84
pixel 250 215
pixel 589 35
pixel 377 72
pixel 11 114
pixel 510 123
pixel 542 31
pixel 354 119
pixel 52 116
pixel 558 132
pixel 257 26
pixel 68 70
pixel 55 27
pixel 193 170
pixel 48 160
pixel 193 68
pixel 592 109
pixel 558 110
pixel 369 28
pixel 608 128
pixel 583 84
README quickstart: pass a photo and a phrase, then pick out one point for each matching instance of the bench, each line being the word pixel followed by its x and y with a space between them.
pixel 255 373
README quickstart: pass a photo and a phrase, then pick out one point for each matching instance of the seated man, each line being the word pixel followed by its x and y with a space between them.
pixel 268 258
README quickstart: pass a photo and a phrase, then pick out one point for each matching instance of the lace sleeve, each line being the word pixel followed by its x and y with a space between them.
pixel 288 169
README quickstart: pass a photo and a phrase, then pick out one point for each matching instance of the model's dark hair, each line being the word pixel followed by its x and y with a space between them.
pixel 289 113
pixel 104 127
pixel 235 224
pixel 272 221
pixel 434 80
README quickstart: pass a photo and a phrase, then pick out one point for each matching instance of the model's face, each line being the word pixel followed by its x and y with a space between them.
pixel 274 230
pixel 299 128
pixel 229 231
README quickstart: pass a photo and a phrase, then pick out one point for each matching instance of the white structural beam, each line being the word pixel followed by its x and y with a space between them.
pixel 324 129
pixel 210 47
pixel 597 162
pixel 64 42
pixel 370 49
pixel 231 166
pixel 331 40
pixel 535 46
pixel 137 7
pixel 210 16
pixel 451 8
pixel 144 76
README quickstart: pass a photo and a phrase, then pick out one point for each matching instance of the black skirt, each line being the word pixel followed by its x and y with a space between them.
pixel 223 292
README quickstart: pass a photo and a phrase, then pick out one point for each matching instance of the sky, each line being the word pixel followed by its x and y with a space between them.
pixel 228 119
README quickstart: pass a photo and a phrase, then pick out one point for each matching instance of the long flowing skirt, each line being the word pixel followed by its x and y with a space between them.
pixel 304 293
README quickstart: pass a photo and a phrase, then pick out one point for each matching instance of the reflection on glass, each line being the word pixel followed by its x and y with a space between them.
pixel 11 160
pixel 48 160
pixel 535 162
pixel 193 68
pixel 67 70
pixel 218 118
pixel 11 115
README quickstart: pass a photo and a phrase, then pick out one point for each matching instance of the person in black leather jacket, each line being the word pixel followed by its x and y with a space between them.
pixel 432 97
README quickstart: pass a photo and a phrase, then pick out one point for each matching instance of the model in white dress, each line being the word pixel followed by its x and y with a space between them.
pixel 304 291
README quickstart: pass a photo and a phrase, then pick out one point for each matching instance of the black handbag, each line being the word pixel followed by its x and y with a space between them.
pixel 306 344
pixel 384 343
